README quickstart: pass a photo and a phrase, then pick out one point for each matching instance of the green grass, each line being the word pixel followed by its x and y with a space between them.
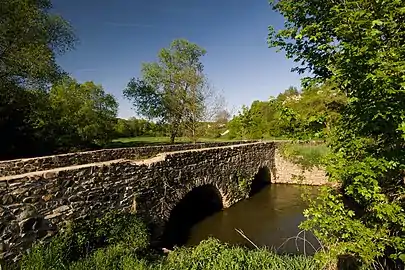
pixel 81 239
pixel 115 242
pixel 307 155
pixel 209 254
pixel 147 141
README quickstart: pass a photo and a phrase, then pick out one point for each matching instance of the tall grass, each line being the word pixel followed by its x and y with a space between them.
pixel 85 238
pixel 211 254
pixel 306 155
pixel 124 246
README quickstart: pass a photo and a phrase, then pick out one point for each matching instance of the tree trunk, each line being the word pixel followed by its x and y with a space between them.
pixel 172 137
pixel 194 135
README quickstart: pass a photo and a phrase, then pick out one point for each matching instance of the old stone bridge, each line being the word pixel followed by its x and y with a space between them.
pixel 160 183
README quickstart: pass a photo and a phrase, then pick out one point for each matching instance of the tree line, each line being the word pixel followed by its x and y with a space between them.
pixel 307 114
pixel 135 127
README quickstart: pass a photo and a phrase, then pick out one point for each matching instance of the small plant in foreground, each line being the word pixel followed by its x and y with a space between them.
pixel 80 239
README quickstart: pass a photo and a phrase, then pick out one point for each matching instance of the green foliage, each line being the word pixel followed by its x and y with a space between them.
pixel 23 119
pixel 211 254
pixel 42 111
pixel 345 234
pixel 113 257
pixel 30 39
pixel 120 241
pixel 244 181
pixel 138 127
pixel 85 110
pixel 112 228
pixel 48 256
pixel 306 155
pixel 124 233
pixel 293 114
pixel 173 89
pixel 357 46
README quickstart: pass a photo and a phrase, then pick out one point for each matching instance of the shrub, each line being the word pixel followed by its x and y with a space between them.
pixel 122 231
pixel 103 259
pixel 113 228
pixel 211 254
pixel 47 256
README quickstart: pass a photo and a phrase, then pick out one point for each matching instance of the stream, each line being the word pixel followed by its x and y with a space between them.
pixel 269 218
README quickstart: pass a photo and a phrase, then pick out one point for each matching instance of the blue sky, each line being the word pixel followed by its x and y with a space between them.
pixel 116 36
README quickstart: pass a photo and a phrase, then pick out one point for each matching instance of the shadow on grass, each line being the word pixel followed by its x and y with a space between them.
pixel 137 144
pixel 141 141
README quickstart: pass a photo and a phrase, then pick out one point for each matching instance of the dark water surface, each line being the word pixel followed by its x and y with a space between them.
pixel 268 218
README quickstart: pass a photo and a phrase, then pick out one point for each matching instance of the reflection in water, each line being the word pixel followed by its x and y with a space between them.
pixel 268 219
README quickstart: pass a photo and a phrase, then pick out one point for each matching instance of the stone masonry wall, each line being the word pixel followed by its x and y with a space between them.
pixel 287 172
pixel 34 205
pixel 21 166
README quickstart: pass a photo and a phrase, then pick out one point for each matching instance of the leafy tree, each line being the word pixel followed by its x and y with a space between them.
pixel 134 127
pixel 85 110
pixel 172 90
pixel 30 38
pixel 288 94
pixel 307 114
pixel 222 117
pixel 235 127
pixel 122 129
pixel 312 113
pixel 359 47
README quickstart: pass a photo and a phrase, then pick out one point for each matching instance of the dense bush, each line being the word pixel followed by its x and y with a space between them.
pixel 134 127
pixel 305 114
pixel 211 254
pixel 78 240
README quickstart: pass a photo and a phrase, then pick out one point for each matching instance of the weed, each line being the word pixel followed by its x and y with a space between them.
pixel 306 155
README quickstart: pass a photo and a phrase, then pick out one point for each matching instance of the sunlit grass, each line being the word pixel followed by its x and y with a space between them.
pixel 307 155
pixel 166 139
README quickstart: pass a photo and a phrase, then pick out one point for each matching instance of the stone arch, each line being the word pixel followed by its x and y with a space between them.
pixel 261 179
pixel 199 203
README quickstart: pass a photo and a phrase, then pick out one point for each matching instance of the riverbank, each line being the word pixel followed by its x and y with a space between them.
pixel 121 241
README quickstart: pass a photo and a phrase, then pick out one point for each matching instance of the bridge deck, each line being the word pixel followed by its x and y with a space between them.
pixel 148 161
pixel 26 165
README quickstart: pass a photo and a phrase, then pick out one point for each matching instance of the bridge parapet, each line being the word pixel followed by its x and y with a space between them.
pixel 26 165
